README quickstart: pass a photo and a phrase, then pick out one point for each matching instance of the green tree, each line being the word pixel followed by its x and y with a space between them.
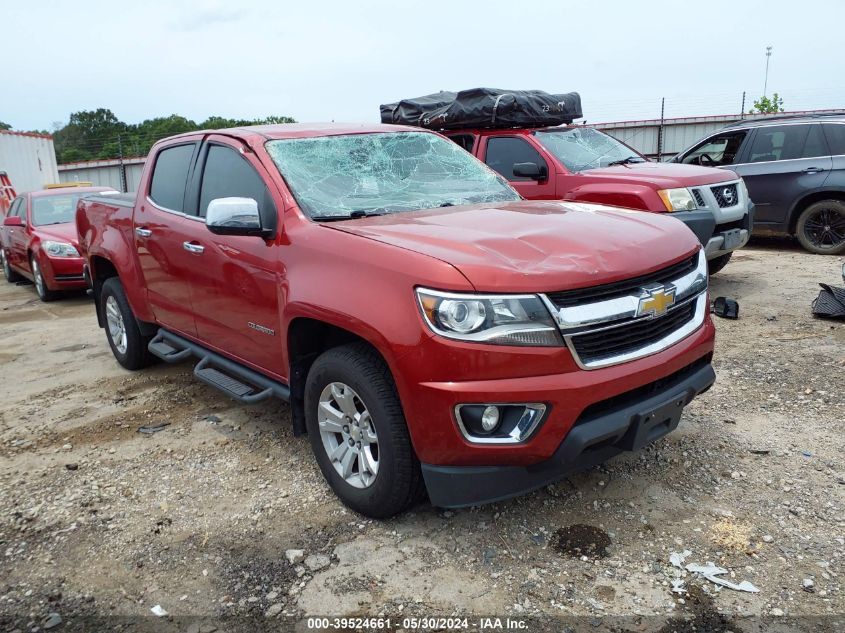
pixel 5 126
pixel 764 105
pixel 274 120
pixel 87 132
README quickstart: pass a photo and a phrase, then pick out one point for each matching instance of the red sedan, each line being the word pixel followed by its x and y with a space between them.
pixel 38 240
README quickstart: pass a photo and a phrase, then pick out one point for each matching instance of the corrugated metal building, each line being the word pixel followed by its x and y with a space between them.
pixel 29 159
pixel 105 173
pixel 677 134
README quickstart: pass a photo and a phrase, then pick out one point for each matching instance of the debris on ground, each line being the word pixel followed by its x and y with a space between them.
pixel 581 541
pixel 712 573
pixel 153 428
pixel 159 611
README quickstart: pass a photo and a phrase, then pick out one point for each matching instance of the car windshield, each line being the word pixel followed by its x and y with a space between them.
pixel 359 174
pixel 54 209
pixel 581 148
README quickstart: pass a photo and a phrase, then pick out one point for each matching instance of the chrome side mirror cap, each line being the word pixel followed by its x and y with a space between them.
pixel 234 216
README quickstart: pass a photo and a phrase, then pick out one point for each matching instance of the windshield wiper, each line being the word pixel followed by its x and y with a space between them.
pixel 354 215
pixel 625 161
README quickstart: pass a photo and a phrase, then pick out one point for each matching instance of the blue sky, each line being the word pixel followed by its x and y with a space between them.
pixel 338 60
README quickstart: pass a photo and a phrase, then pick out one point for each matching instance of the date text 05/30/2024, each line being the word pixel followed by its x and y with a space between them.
pixel 417 623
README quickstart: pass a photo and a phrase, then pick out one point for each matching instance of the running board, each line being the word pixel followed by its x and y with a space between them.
pixel 236 381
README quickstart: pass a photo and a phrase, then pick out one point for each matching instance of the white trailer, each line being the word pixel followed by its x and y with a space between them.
pixel 29 159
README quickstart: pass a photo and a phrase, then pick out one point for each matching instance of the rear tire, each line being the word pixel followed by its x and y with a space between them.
pixel 127 343
pixel 821 227
pixel 354 379
pixel 41 288
pixel 11 276
pixel 718 263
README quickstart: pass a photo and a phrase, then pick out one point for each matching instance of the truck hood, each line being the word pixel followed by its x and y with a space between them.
pixel 535 246
pixel 59 233
pixel 661 175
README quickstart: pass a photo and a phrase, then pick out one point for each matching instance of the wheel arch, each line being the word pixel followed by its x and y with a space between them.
pixel 812 198
pixel 307 338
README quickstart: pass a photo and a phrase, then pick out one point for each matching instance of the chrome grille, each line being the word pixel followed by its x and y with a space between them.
pixel 726 195
pixel 601 344
pixel 618 322
pixel 622 288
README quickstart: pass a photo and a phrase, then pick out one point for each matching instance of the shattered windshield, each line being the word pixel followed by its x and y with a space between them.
pixel 581 148
pixel 367 174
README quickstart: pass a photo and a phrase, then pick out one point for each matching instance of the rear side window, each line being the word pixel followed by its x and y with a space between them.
pixel 170 176
pixel 228 175
pixel 466 141
pixel 781 142
pixel 505 151
pixel 815 145
pixel 835 133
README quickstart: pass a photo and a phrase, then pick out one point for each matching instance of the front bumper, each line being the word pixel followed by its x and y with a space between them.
pixel 626 422
pixel 718 239
pixel 63 273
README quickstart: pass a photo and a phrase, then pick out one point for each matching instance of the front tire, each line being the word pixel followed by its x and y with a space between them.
pixel 127 343
pixel 358 432
pixel 821 227
pixel 41 287
pixel 718 263
pixel 11 276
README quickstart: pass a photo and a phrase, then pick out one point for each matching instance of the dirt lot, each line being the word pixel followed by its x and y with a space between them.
pixel 97 519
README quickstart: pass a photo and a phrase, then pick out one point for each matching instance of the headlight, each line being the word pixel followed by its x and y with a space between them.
pixel 60 249
pixel 677 199
pixel 495 319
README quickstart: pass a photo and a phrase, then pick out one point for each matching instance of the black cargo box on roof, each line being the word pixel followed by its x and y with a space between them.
pixel 484 108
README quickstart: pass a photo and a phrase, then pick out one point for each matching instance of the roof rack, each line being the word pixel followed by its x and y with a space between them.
pixel 786 117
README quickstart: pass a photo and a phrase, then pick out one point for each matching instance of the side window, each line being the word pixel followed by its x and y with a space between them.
pixel 466 141
pixel 815 144
pixel 718 150
pixel 170 175
pixel 503 152
pixel 17 208
pixel 835 133
pixel 228 175
pixel 779 142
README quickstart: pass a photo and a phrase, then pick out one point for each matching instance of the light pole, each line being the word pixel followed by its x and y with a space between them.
pixel 766 80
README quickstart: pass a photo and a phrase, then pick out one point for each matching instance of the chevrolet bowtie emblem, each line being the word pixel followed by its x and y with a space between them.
pixel 656 301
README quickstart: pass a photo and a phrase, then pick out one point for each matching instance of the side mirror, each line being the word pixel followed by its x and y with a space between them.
pixel 12 220
pixel 530 170
pixel 234 216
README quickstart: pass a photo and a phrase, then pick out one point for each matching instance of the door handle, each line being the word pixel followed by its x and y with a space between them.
pixel 813 170
pixel 193 248
pixel 141 232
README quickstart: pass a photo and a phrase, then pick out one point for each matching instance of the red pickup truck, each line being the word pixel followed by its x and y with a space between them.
pixel 583 164
pixel 430 329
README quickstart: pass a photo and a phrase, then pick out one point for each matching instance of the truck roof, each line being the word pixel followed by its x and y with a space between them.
pixel 63 191
pixel 304 130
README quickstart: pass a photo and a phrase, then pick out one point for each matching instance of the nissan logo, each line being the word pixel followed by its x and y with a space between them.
pixel 729 195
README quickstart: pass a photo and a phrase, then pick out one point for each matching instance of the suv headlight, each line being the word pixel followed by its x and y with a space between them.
pixel 60 249
pixel 495 319
pixel 677 199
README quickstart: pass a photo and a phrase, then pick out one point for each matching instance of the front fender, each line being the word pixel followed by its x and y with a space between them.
pixel 628 196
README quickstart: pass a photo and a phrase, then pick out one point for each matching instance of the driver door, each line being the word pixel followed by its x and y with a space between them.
pixel 501 153
pixel 237 279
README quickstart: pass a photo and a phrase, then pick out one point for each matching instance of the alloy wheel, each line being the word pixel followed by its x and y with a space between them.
pixel 825 228
pixel 39 280
pixel 348 434
pixel 117 328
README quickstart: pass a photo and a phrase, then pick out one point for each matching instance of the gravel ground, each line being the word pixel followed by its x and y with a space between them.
pixel 223 519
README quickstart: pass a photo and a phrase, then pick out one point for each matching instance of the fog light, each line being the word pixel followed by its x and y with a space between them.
pixel 490 418
pixel 499 423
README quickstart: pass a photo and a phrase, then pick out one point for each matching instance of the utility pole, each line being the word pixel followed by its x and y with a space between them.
pixel 766 80
pixel 742 109
pixel 660 130
pixel 121 167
